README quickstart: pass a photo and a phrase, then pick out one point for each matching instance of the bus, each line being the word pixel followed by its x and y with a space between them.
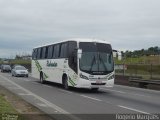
pixel 80 63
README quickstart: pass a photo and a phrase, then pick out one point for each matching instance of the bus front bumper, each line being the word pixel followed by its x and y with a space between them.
pixel 94 84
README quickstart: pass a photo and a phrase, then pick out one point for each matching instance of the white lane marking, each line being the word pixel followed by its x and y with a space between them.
pixel 126 92
pixel 26 80
pixel 91 98
pixel 128 108
pixel 114 90
pixel 24 94
pixel 38 97
pixel 62 111
pixel 42 105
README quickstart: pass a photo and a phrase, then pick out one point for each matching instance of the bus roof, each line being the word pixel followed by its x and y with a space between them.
pixel 77 40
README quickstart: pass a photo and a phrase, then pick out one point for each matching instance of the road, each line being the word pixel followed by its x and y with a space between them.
pixel 83 104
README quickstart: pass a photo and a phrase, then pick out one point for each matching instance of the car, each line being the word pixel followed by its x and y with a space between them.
pixel 15 65
pixel 5 68
pixel 19 71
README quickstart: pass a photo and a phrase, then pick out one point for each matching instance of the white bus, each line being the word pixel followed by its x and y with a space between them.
pixel 80 63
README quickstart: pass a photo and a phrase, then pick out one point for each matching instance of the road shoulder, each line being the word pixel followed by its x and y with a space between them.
pixel 26 110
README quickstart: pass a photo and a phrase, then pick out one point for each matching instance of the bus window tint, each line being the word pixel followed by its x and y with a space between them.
pixel 46 53
pixel 43 52
pixel 39 53
pixel 56 51
pixel 64 50
pixel 34 53
pixel 72 56
pixel 50 50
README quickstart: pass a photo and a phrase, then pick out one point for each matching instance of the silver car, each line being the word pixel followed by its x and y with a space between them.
pixel 19 71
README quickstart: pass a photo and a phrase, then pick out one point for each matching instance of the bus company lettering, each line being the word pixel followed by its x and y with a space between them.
pixel 51 64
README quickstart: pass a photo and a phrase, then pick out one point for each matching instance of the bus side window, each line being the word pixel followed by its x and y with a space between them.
pixel 56 51
pixel 72 55
pixel 50 50
pixel 46 52
pixel 39 53
pixel 43 52
pixel 34 53
pixel 64 50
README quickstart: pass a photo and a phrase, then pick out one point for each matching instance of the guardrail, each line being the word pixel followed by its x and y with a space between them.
pixel 143 82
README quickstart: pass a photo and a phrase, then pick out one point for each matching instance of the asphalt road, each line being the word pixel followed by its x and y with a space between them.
pixel 83 104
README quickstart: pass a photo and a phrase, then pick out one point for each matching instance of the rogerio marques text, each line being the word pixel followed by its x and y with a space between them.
pixel 137 117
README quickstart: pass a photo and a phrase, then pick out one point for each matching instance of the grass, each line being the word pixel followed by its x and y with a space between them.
pixel 13 107
pixel 7 112
pixel 140 60
pixel 146 66
pixel 20 62
pixel 5 106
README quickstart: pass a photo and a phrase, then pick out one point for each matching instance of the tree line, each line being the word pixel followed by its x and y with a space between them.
pixel 152 51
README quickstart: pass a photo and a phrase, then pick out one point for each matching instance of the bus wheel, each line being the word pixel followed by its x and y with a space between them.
pixel 94 89
pixel 41 78
pixel 65 83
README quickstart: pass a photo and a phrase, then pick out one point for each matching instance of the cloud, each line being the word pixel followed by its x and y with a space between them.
pixel 127 24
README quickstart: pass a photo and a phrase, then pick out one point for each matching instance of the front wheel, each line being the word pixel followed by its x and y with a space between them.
pixel 65 83
pixel 41 78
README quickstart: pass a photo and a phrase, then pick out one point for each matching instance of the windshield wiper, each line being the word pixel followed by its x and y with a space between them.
pixel 92 62
pixel 103 63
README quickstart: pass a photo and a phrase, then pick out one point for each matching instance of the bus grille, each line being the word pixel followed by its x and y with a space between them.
pixel 98 83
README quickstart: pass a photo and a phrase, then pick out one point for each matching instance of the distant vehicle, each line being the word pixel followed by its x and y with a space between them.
pixel 80 63
pixel 15 65
pixel 19 71
pixel 5 68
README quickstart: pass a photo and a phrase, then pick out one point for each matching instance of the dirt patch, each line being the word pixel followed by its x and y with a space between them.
pixel 26 110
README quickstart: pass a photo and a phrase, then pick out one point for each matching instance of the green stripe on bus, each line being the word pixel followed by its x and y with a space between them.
pixel 38 65
pixel 45 76
pixel 40 68
pixel 71 81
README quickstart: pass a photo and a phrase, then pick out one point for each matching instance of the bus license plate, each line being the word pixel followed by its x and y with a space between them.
pixel 98 81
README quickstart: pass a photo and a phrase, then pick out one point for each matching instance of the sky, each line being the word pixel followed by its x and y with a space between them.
pixel 126 24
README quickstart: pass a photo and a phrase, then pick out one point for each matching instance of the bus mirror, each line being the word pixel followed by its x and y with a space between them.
pixel 79 53
pixel 117 54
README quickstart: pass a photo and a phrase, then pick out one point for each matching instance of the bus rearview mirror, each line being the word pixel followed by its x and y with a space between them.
pixel 79 53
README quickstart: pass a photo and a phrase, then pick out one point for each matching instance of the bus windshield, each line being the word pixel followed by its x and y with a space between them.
pixel 96 58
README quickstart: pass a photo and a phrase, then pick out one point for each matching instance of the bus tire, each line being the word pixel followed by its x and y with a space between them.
pixel 65 82
pixel 41 78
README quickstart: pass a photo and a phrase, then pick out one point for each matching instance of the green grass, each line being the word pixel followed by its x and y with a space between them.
pixel 140 60
pixel 145 66
pixel 20 62
pixel 7 112
pixel 146 71
pixel 5 107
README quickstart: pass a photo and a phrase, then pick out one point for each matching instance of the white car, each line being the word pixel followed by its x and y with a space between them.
pixel 19 71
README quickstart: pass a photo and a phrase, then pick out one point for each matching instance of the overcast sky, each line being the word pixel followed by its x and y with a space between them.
pixel 126 24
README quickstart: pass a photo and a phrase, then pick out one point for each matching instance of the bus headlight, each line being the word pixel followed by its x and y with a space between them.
pixel 111 77
pixel 83 76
